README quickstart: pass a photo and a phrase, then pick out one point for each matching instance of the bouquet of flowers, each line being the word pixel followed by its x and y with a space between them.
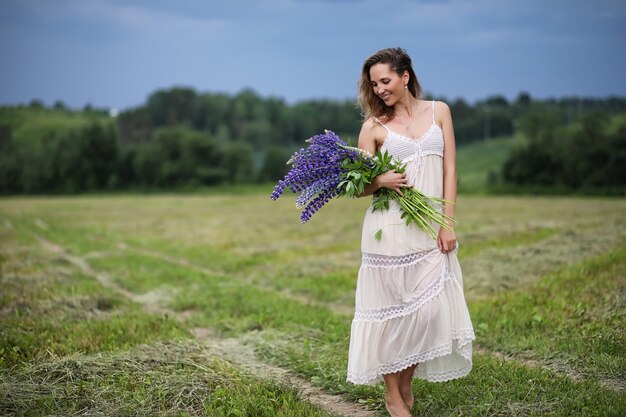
pixel 329 168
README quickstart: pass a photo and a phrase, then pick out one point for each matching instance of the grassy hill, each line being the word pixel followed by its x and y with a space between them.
pixel 474 161
pixel 27 123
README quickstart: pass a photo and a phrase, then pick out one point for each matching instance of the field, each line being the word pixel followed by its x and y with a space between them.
pixel 225 305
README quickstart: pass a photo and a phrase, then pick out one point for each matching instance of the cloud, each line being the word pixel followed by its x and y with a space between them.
pixel 110 19
pixel 142 20
pixel 117 51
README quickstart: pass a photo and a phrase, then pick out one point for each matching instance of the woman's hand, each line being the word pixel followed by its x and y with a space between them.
pixel 392 180
pixel 446 240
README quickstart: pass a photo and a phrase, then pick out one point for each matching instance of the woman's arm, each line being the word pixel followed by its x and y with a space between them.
pixel 370 137
pixel 447 238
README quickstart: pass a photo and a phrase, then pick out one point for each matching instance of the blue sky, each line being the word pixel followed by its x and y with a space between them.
pixel 115 53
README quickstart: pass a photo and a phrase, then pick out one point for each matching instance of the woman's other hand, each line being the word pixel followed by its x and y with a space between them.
pixel 446 240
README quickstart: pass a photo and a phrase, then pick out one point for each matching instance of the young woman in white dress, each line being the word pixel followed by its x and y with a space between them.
pixel 411 319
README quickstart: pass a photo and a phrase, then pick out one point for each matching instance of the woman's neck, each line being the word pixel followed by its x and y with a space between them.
pixel 406 107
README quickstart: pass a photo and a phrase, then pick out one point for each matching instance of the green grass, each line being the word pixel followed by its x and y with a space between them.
pixel 573 319
pixel 49 309
pixel 506 240
pixel 543 277
pixel 170 379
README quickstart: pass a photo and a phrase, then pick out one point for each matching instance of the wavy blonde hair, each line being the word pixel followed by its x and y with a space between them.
pixel 370 104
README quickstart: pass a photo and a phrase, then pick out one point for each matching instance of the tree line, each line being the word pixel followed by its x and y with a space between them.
pixel 182 138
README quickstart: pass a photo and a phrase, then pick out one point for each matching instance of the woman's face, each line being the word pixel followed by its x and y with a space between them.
pixel 387 84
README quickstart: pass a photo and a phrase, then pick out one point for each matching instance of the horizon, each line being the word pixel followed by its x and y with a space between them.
pixel 449 100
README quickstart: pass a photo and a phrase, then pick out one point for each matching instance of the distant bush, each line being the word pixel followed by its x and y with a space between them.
pixel 586 155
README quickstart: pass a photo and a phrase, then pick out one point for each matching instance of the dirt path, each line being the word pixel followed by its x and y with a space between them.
pixel 232 350
pixel 151 301
pixel 242 355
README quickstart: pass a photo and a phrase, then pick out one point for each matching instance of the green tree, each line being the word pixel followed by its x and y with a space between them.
pixel 172 107
pixel 178 156
pixel 238 163
pixel 275 164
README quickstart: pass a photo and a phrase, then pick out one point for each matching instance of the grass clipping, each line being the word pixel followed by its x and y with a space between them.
pixel 162 379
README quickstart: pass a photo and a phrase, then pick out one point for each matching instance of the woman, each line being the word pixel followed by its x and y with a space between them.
pixel 411 319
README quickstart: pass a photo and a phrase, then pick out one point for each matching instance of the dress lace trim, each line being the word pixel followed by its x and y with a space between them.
pixel 388 313
pixel 406 149
pixel 373 260
pixel 463 339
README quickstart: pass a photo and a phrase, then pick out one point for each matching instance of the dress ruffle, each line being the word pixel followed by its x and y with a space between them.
pixel 431 327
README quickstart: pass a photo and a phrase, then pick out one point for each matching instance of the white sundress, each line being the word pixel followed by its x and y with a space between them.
pixel 410 308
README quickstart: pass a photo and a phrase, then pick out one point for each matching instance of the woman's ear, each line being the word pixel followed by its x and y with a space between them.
pixel 405 77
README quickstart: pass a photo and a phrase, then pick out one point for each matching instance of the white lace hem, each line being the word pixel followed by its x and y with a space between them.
pixel 463 338
pixel 373 260
pixel 387 313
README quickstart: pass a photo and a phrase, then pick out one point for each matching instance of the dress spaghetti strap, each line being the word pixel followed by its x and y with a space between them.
pixel 376 120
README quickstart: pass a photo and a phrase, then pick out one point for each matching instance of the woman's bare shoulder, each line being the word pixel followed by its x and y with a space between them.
pixel 371 122
pixel 372 134
pixel 442 112
pixel 442 106
pixel 372 126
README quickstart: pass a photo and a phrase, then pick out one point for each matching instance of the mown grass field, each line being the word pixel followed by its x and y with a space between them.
pixel 224 305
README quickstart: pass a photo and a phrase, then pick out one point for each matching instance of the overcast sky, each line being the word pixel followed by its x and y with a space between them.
pixel 114 53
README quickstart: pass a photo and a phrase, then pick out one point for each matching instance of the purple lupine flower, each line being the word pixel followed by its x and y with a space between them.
pixel 328 167
pixel 315 172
